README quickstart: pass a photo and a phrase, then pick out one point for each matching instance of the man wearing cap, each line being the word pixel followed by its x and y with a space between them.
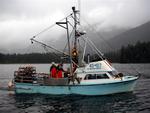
pixel 53 70
pixel 60 70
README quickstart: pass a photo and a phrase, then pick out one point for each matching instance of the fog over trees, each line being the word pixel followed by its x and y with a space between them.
pixel 138 53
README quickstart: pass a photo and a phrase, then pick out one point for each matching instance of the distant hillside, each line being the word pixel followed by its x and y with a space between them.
pixel 140 33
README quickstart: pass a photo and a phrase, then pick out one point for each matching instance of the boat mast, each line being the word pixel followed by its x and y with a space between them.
pixel 61 24
pixel 75 26
pixel 74 49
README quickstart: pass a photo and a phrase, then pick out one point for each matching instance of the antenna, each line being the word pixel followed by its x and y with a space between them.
pixel 79 8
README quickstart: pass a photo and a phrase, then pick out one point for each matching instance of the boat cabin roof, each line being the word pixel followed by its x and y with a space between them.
pixel 95 67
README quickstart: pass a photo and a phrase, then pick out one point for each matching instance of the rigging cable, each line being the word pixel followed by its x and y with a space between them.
pixel 98 34
pixel 48 46
pixel 49 27
pixel 84 50
pixel 98 52
pixel 44 45
pixel 112 48
pixel 91 45
pixel 66 42
pixel 50 52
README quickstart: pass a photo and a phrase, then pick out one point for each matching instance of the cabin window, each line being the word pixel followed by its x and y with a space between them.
pixel 90 76
pixel 112 73
pixel 96 76
pixel 95 66
pixel 102 76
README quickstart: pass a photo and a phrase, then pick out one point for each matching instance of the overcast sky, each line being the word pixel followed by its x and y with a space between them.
pixel 22 19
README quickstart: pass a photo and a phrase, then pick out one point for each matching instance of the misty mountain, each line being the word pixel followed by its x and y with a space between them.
pixel 106 40
pixel 140 33
pixel 97 35
pixel 101 36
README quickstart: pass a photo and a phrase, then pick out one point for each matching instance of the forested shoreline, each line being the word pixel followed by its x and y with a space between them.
pixel 30 58
pixel 138 53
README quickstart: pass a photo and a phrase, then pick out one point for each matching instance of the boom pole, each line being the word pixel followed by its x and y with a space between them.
pixel 69 50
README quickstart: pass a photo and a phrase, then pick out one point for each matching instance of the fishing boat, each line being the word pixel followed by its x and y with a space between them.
pixel 91 78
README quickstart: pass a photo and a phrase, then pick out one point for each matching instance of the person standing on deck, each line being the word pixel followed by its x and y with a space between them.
pixel 60 70
pixel 53 70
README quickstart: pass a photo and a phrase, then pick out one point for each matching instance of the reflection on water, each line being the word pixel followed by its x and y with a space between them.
pixel 76 103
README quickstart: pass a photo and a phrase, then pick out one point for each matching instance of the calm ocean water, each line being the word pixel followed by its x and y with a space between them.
pixel 136 102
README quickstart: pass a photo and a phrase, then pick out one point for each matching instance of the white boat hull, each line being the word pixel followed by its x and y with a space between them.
pixel 92 89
